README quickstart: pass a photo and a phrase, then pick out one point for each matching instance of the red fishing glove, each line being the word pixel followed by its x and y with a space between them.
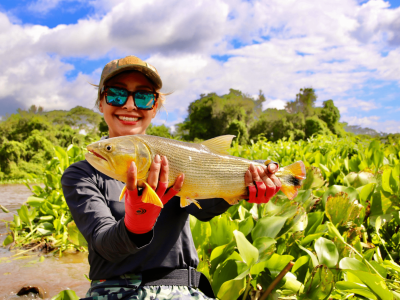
pixel 262 193
pixel 140 217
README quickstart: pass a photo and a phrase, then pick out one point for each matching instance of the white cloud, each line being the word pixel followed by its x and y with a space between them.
pixel 277 103
pixel 332 46
pixel 351 103
pixel 374 122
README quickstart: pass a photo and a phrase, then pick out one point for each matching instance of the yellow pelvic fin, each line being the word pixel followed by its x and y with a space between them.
pixel 291 178
pixel 122 193
pixel 232 201
pixel 187 201
pixel 150 196
pixel 219 144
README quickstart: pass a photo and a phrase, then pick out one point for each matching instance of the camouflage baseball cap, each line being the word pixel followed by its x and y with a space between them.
pixel 129 63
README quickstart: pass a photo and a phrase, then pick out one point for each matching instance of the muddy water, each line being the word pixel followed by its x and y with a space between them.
pixel 53 274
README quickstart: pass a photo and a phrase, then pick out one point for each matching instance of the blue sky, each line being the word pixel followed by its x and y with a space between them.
pixel 349 51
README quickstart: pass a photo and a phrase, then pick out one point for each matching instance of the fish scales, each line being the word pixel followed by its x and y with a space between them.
pixel 209 171
pixel 204 170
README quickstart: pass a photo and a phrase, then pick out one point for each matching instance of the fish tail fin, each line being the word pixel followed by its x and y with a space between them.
pixel 122 193
pixel 185 201
pixel 291 178
pixel 150 196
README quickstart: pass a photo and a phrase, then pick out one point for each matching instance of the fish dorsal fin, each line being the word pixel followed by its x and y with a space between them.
pixel 219 144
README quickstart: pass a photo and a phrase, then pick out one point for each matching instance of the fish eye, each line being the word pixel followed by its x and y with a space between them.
pixel 109 148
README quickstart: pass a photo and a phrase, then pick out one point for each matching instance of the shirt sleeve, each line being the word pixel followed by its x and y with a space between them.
pixel 88 206
pixel 210 208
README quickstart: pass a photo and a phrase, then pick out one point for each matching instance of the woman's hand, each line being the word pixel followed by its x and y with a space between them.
pixel 140 217
pixel 262 183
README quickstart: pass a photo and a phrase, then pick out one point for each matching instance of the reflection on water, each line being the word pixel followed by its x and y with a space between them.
pixel 54 274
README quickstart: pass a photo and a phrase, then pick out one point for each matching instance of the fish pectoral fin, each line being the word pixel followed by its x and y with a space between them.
pixel 291 178
pixel 185 201
pixel 150 196
pixel 232 201
pixel 219 144
pixel 122 193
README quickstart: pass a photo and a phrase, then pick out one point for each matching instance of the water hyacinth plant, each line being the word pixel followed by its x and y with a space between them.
pixel 338 239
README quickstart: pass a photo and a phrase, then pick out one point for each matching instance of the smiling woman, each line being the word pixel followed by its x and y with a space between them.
pixel 140 250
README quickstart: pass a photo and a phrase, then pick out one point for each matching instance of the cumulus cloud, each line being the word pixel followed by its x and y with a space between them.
pixel 277 103
pixel 374 122
pixel 351 103
pixel 277 46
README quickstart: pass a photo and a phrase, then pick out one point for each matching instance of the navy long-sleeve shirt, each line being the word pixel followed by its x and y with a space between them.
pixel 93 199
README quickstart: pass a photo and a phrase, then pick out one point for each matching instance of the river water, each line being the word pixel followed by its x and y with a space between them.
pixel 53 274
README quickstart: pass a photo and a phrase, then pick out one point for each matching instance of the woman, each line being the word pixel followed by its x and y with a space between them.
pixel 137 250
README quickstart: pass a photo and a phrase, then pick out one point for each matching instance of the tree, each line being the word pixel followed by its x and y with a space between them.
pixel 160 130
pixel 305 102
pixel 214 115
pixel 330 115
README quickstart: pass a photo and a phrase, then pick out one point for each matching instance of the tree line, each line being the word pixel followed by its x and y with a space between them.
pixel 239 114
pixel 27 138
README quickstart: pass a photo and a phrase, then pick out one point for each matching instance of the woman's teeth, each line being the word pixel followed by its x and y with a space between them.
pixel 127 118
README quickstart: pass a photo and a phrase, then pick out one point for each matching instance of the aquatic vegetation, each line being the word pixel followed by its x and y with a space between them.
pixel 44 222
pixel 339 238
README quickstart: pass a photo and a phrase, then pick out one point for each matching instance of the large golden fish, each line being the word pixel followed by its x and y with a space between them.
pixel 210 172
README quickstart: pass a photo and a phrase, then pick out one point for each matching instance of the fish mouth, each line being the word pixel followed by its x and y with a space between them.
pixel 96 154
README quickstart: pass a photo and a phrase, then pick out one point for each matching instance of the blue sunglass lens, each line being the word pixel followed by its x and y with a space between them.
pixel 144 100
pixel 116 96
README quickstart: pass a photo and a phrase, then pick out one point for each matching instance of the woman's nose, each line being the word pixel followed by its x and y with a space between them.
pixel 130 104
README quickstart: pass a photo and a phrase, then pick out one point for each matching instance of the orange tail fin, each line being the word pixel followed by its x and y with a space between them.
pixel 291 178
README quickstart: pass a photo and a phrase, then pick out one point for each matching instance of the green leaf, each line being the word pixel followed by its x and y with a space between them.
pixel 4 209
pixel 278 262
pixel 319 285
pixel 326 252
pixel 66 295
pixel 232 289
pixel 201 231
pixel 264 245
pixel 246 225
pixel 45 228
pixel 35 201
pixel 334 189
pixel 268 226
pixel 27 216
pixel 314 179
pixel 314 220
pixel 314 259
pixel 334 232
pixel 226 271
pixel 340 209
pixel 8 240
pixel 300 262
pixel 75 236
pixel 349 263
pixel 356 288
pixel 386 181
pixel 247 251
pixel 220 254
pixel 309 238
pixel 376 284
pixel 222 228
pixel 366 193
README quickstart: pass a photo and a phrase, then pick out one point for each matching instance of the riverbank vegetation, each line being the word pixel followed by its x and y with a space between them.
pixel 341 231
pixel 338 239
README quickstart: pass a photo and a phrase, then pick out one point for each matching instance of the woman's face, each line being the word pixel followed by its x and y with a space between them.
pixel 127 119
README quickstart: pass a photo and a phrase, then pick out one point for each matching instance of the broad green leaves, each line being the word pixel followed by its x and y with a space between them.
pixel 327 252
